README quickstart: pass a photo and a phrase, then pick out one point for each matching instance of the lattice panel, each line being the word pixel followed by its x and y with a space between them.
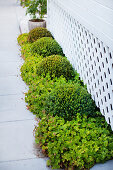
pixel 92 59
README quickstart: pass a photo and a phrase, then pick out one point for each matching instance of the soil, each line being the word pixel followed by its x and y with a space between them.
pixel 36 20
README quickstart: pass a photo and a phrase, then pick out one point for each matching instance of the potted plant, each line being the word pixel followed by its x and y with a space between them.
pixel 34 8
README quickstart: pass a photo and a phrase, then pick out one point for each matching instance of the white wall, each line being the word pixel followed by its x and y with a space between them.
pixel 96 15
pixel 84 29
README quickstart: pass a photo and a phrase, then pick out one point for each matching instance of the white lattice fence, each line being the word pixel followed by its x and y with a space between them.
pixel 88 47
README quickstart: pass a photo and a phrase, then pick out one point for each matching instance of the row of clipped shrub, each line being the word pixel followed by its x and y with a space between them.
pixel 72 132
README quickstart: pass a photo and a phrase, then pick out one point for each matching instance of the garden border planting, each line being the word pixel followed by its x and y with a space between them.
pixel 72 132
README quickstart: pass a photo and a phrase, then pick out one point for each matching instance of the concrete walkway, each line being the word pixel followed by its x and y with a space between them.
pixel 17 146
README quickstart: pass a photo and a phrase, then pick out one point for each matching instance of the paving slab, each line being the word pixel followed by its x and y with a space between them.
pixel 12 85
pixel 16 115
pixel 6 49
pixel 5 56
pixel 13 102
pixel 16 140
pixel 29 164
pixel 105 166
pixel 10 68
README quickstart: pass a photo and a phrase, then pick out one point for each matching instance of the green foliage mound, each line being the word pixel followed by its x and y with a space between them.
pixel 28 69
pixel 22 39
pixel 66 100
pixel 38 92
pixel 78 143
pixel 38 33
pixel 46 46
pixel 56 65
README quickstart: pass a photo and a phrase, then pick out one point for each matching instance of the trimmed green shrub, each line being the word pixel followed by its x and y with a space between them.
pixel 78 143
pixel 28 69
pixel 22 39
pixel 38 33
pixel 46 46
pixel 56 65
pixel 38 92
pixel 25 51
pixel 69 99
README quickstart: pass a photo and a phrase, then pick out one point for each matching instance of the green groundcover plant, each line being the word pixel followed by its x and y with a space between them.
pixel 78 143
pixel 25 51
pixel 22 39
pixel 46 46
pixel 29 69
pixel 56 65
pixel 38 33
pixel 66 100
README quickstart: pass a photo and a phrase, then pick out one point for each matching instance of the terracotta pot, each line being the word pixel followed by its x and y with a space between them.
pixel 33 23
